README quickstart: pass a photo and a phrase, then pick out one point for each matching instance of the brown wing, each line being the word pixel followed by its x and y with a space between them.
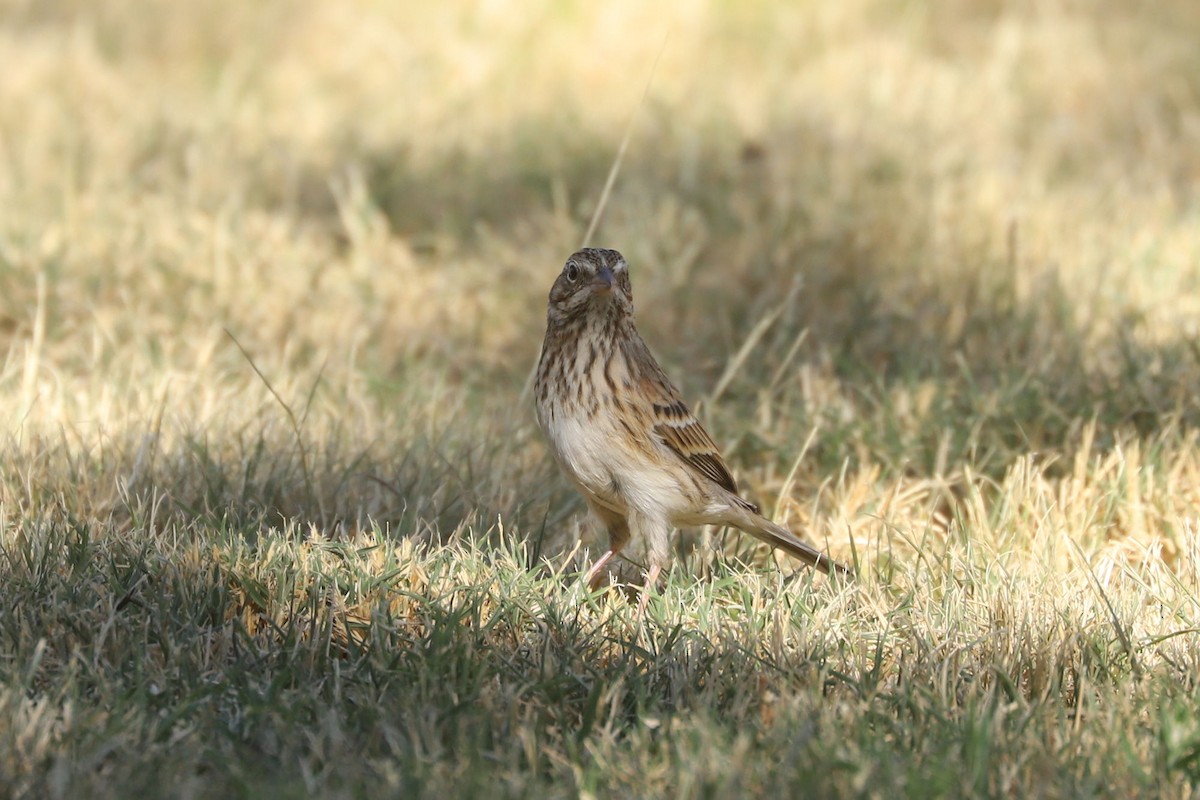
pixel 684 434
pixel 674 424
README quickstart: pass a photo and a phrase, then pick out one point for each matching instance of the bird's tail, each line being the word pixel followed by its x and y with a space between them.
pixel 780 537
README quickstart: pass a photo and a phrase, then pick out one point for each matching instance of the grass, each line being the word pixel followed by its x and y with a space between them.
pixel 275 521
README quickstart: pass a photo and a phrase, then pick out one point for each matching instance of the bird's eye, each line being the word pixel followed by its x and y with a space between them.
pixel 572 273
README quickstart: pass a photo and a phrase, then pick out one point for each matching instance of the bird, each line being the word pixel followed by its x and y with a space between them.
pixel 621 433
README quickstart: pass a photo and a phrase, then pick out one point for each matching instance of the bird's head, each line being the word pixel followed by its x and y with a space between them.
pixel 593 280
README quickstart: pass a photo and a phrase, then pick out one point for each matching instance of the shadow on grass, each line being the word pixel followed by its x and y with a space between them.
pixel 301 668
pixel 256 481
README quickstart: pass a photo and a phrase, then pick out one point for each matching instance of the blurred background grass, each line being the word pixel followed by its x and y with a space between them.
pixel 972 228
pixel 988 209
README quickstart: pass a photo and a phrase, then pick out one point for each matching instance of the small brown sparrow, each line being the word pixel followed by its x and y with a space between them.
pixel 621 432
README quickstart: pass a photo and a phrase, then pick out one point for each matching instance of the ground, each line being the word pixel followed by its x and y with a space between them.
pixel 275 516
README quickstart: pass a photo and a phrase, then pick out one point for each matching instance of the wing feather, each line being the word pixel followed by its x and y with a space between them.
pixel 679 430
pixel 675 425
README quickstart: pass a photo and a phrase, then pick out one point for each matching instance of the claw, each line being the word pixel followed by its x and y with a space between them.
pixel 595 575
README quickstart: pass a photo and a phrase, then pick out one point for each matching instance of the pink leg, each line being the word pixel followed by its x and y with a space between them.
pixel 618 537
pixel 596 573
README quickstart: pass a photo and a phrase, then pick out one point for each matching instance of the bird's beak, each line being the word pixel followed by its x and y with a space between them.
pixel 604 281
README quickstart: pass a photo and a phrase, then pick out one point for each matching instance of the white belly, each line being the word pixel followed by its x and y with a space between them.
pixel 612 471
pixel 585 451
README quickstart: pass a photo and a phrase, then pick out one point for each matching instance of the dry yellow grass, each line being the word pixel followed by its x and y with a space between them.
pixel 974 226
